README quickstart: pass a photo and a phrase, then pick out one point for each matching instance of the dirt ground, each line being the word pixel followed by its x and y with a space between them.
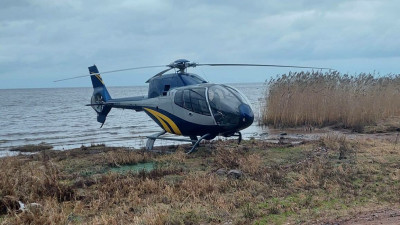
pixel 384 216
pixel 297 136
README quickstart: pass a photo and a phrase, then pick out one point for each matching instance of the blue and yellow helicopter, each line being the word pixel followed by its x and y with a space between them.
pixel 182 103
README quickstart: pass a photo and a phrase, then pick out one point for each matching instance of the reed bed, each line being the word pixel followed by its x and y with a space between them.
pixel 322 99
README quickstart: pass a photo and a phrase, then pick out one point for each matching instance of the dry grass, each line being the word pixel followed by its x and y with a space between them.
pixel 317 99
pixel 279 185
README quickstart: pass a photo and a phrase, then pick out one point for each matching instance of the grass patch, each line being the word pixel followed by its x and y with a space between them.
pixel 136 168
pixel 279 185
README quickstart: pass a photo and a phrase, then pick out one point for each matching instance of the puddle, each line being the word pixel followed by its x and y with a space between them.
pixel 136 168
pixel 7 153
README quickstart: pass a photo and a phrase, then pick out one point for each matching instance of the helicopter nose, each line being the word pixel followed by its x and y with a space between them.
pixel 246 116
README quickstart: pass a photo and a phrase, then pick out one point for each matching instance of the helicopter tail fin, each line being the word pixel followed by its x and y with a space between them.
pixel 100 95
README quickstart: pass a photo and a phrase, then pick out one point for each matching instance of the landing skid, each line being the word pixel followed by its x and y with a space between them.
pixel 152 138
pixel 197 143
pixel 193 139
pixel 239 135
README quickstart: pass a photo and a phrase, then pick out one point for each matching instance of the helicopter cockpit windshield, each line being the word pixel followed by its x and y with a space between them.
pixel 225 103
pixel 229 107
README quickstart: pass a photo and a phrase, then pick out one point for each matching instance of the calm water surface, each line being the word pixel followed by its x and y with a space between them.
pixel 60 118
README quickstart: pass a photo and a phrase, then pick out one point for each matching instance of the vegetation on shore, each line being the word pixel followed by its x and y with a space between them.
pixel 317 181
pixel 318 99
pixel 32 148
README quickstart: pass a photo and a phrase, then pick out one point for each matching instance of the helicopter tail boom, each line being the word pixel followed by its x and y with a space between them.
pixel 100 95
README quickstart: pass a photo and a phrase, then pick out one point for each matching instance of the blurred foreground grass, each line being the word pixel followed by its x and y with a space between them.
pixel 317 181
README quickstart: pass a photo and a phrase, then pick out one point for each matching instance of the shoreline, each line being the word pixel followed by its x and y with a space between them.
pixel 292 136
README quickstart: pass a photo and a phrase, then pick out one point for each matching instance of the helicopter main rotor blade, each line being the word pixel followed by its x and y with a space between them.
pixel 111 71
pixel 269 65
pixel 159 74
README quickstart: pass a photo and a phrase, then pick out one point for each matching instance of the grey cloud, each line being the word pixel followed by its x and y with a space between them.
pixel 45 38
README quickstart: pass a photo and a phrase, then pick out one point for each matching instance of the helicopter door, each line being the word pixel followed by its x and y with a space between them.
pixel 193 100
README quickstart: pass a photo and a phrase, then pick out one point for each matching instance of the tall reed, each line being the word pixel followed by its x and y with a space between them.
pixel 323 99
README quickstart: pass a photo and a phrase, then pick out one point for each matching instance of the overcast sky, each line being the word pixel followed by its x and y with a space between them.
pixel 46 40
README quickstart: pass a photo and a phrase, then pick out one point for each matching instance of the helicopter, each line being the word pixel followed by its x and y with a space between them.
pixel 182 103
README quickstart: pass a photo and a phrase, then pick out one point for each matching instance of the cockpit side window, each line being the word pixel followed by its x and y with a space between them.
pixel 187 104
pixel 179 98
pixel 193 100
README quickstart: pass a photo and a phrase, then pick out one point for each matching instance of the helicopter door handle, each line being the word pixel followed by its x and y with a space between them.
pixel 190 114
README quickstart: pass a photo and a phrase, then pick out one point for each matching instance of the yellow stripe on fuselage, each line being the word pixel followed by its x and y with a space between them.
pixel 163 118
pixel 166 128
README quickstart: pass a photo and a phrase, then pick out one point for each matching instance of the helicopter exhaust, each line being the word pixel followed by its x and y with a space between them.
pixel 100 95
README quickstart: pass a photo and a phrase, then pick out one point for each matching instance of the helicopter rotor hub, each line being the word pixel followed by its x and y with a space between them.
pixel 182 64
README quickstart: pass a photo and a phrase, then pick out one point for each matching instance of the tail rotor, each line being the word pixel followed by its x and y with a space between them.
pixel 100 96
